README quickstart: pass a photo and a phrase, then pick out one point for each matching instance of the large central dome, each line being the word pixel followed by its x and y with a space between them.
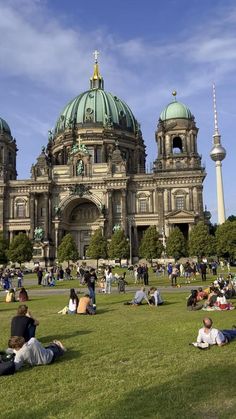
pixel 95 106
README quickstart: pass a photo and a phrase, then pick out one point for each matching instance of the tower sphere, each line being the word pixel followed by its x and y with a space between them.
pixel 218 153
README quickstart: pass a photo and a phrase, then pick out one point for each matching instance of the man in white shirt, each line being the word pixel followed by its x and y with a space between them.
pixel 33 352
pixel 212 336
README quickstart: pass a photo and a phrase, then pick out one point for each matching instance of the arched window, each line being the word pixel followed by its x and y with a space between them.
pixel 20 209
pixel 180 202
pixel 177 145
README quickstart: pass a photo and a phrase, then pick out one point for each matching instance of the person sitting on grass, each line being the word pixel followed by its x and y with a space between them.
pixel 33 352
pixel 139 297
pixel 23 295
pixel 11 296
pixel 192 304
pixel 212 336
pixel 73 302
pixel 156 298
pixel 23 324
pixel 84 306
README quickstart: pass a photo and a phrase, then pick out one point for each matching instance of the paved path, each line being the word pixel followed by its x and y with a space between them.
pixel 44 291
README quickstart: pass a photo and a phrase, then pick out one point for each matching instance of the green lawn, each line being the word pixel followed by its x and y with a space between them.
pixel 125 362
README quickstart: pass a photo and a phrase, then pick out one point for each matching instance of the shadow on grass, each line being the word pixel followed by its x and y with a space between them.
pixel 50 410
pixel 50 338
pixel 198 395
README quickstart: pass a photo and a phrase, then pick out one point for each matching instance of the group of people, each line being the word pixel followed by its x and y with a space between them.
pixel 25 347
pixel 11 278
pixel 216 298
pixel 12 296
pixel 153 298
pixel 47 277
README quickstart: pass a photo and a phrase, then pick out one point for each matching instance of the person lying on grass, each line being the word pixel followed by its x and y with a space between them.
pixel 212 336
pixel 33 352
pixel 138 298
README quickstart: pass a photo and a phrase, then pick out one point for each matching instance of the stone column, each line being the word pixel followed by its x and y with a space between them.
pixel 191 199
pixel 124 210
pixel 135 241
pixel 46 220
pixel 56 239
pixel 160 208
pixel 110 212
pixel 49 216
pixel 32 215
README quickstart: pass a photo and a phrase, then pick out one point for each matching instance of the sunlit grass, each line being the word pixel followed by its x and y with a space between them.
pixel 125 362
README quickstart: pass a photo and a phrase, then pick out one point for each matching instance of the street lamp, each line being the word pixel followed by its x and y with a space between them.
pixel 130 222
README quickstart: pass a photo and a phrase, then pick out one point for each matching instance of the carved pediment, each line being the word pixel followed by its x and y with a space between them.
pixel 180 214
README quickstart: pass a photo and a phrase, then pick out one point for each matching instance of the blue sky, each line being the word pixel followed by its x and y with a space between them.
pixel 148 49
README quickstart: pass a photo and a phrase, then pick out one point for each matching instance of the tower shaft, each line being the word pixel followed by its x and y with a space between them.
pixel 220 193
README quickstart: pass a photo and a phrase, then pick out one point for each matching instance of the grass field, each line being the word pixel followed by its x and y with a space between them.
pixel 125 362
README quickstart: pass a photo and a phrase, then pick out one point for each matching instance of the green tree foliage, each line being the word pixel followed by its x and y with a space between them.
pixel 119 246
pixel 3 250
pixel 176 244
pixel 98 246
pixel 201 243
pixel 226 239
pixel 67 250
pixel 20 249
pixel 151 247
pixel 231 218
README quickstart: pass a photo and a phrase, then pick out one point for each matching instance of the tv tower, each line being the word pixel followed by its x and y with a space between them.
pixel 218 154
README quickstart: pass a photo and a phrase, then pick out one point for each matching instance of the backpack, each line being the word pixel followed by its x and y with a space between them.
pixel 7 365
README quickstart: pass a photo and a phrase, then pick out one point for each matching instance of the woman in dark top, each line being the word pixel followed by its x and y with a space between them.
pixel 192 302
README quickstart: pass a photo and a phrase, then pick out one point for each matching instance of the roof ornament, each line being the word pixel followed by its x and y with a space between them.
pixel 174 94
pixel 216 128
pixel 96 54
pixel 96 81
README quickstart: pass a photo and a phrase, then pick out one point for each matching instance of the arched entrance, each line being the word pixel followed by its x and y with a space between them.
pixel 81 217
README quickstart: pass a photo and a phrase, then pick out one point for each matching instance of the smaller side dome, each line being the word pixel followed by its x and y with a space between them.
pixel 176 110
pixel 4 127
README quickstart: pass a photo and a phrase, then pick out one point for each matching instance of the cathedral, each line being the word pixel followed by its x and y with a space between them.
pixel 92 175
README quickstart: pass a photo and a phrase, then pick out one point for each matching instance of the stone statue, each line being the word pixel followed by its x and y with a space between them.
pixel 38 233
pixel 84 149
pixel 74 149
pixel 116 228
pixel 80 168
pixel 57 210
pixel 50 135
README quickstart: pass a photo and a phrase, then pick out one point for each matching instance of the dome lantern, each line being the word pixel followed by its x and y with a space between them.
pixel 96 81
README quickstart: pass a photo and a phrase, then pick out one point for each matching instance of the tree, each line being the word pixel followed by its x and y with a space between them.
pixel 119 246
pixel 231 218
pixel 151 247
pixel 3 250
pixel 67 250
pixel 201 243
pixel 176 244
pixel 98 246
pixel 20 249
pixel 226 240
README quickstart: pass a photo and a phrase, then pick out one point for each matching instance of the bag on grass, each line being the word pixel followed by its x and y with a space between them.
pixel 7 365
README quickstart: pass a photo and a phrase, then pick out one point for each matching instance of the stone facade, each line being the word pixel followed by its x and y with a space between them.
pixel 92 175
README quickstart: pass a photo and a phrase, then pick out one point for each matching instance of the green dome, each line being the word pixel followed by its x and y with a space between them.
pixel 4 127
pixel 175 110
pixel 96 106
